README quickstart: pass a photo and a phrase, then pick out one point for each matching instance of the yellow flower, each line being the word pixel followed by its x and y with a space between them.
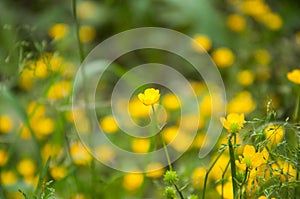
pixel 241 103
pixel 87 34
pixel 140 145
pixel 59 90
pixel 6 124
pixel 86 9
pixel 234 122
pixel 105 153
pixel 227 190
pixel 262 57
pixel 236 22
pixel 252 159
pixel 109 125
pixel 79 154
pixel 245 77
pixel 274 133
pixel 3 157
pixel 58 31
pixel 198 177
pixel 26 167
pixel 201 43
pixel 254 8
pixel 8 178
pixel 294 76
pixel 58 172
pixel 137 109
pixel 149 97
pixel 272 20
pixel 133 181
pixel 26 80
pixel 223 57
pixel 171 102
pixel 154 170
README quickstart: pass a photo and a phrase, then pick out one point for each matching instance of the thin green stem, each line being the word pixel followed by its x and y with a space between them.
pixel 223 175
pixel 162 139
pixel 232 166
pixel 179 191
pixel 208 171
pixel 81 52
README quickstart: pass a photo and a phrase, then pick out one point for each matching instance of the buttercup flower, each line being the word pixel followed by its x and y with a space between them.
pixel 236 22
pixel 149 97
pixel 252 159
pixel 233 122
pixel 294 76
pixel 274 133
pixel 133 181
pixel 223 57
pixel 202 43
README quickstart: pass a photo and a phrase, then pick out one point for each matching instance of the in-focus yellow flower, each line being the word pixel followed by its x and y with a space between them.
pixel 140 145
pixel 109 125
pixel 294 76
pixel 149 97
pixel 251 158
pixel 201 43
pixel 234 122
pixel 26 167
pixel 58 31
pixel 87 34
pixel 198 177
pixel 3 157
pixel 274 133
pixel 236 22
pixel 6 124
pixel 8 178
pixel 223 57
pixel 137 109
pixel 171 102
pixel 155 170
pixel 245 77
pixel 79 154
pixel 133 181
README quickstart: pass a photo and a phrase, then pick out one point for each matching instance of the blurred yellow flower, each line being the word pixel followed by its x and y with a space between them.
pixel 105 153
pixel 254 8
pixel 87 33
pixel 201 43
pixel 227 190
pixel 233 123
pixel 6 124
pixel 170 133
pixel 274 133
pixel 79 154
pixel 8 178
pixel 217 171
pixel 58 31
pixel 133 181
pixel 198 177
pixel 26 167
pixel 236 22
pixel 191 122
pixel 294 76
pixel 140 145
pixel 241 103
pixel 86 9
pixel 223 57
pixel 109 125
pixel 58 172
pixel 171 101
pixel 59 90
pixel 26 80
pixel 154 170
pixel 245 77
pixel 149 97
pixel 272 20
pixel 3 157
pixel 262 57
pixel 42 126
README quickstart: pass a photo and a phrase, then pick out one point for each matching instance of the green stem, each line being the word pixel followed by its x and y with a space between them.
pixel 223 175
pixel 162 139
pixel 81 52
pixel 178 190
pixel 297 105
pixel 232 166
pixel 207 173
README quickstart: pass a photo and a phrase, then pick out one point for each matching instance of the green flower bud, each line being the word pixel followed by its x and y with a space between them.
pixel 170 193
pixel 170 177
